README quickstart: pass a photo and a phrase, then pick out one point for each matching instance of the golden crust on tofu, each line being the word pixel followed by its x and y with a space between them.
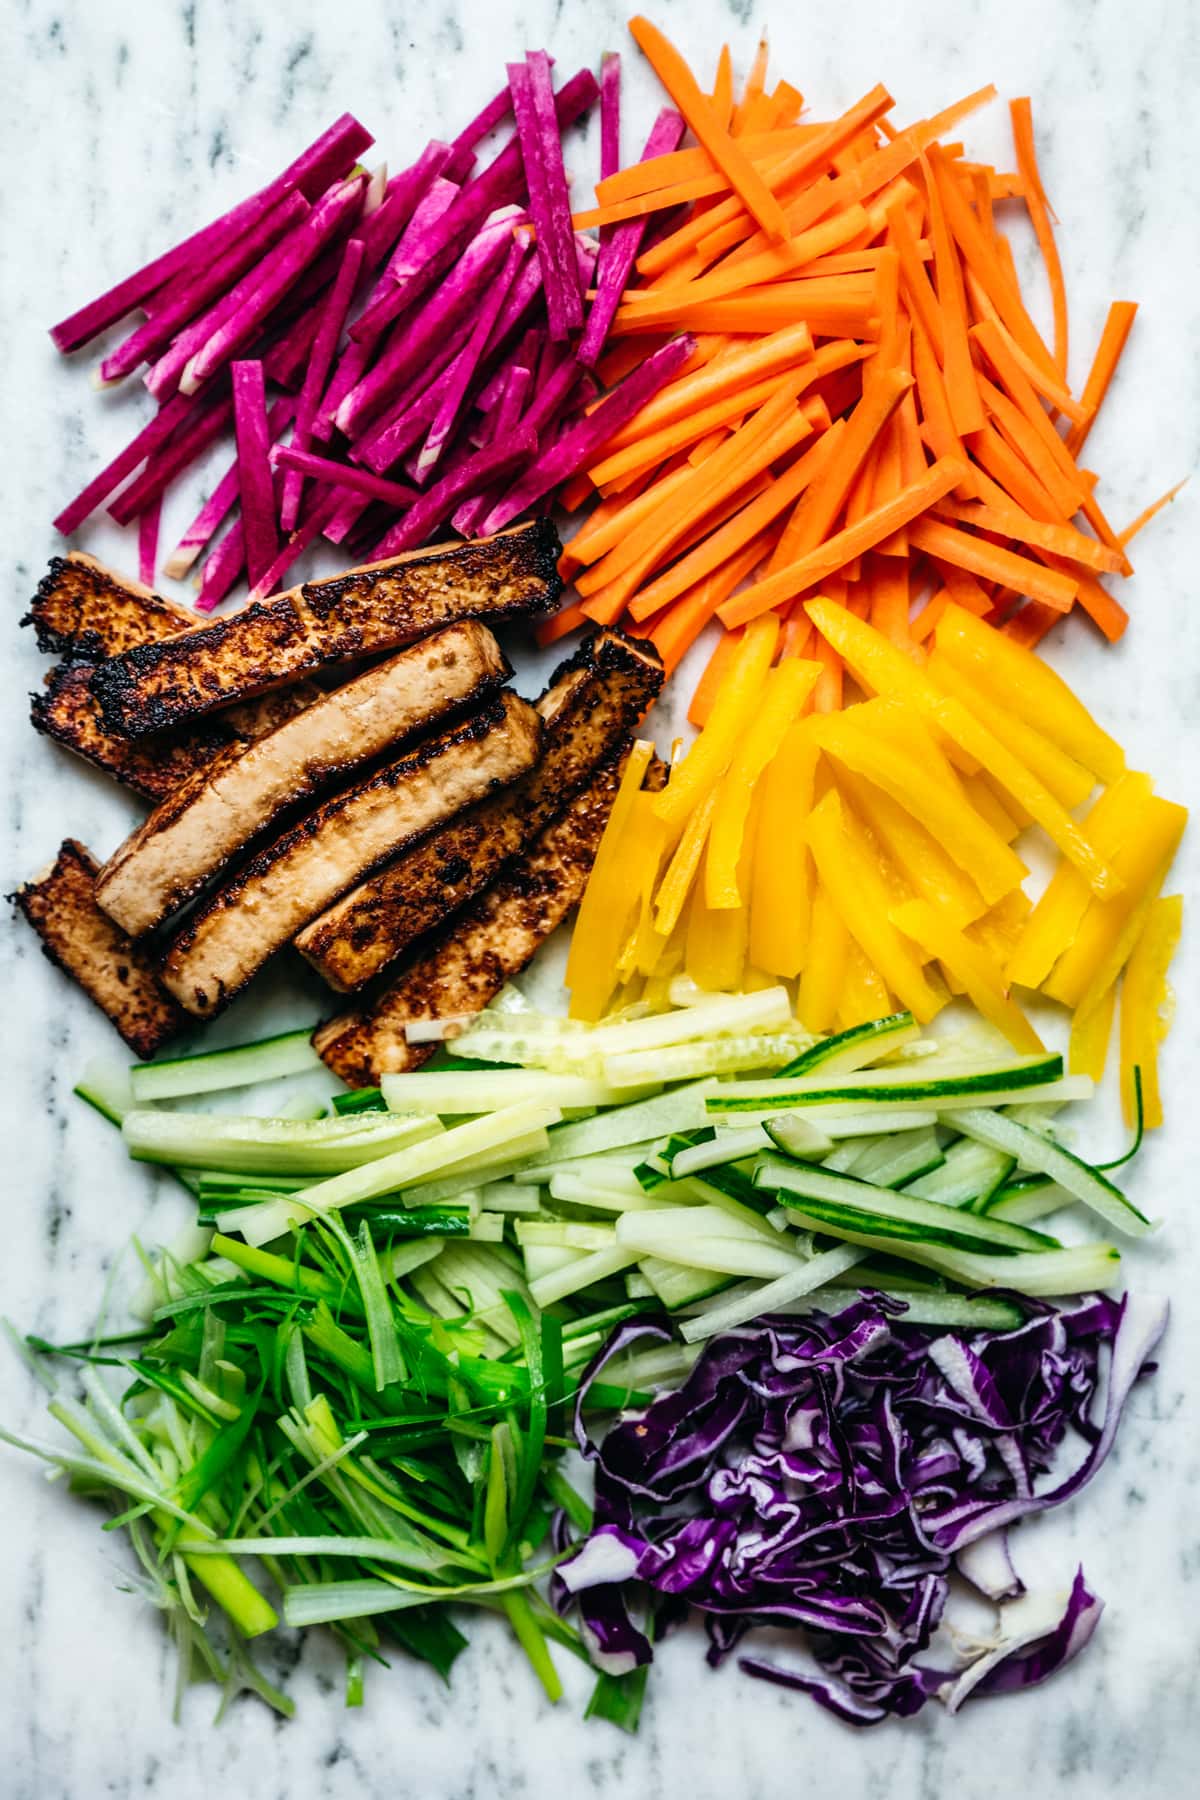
pixel 592 702
pixel 66 711
pixel 84 942
pixel 468 963
pixel 233 933
pixel 83 611
pixel 153 687
pixel 221 809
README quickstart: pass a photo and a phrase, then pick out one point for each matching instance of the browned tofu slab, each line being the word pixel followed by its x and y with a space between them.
pixel 117 974
pixel 590 705
pixel 484 946
pixel 85 612
pixel 233 933
pixel 223 807
pixel 157 686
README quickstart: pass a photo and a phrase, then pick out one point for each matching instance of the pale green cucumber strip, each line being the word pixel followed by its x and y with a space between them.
pixel 245 1145
pixel 725 1147
pixel 718 1056
pixel 968 1170
pixel 973 1313
pixel 290 1053
pixel 105 1085
pixel 893 1086
pixel 743 1306
pixel 788 1179
pixel 861 1045
pixel 455 1092
pixel 892 1162
pixel 1041 1156
pixel 675 1284
pixel 682 1110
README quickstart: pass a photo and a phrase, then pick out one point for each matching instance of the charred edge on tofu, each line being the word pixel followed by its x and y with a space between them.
pixel 118 975
pixel 607 684
pixel 83 611
pixel 66 711
pixel 153 686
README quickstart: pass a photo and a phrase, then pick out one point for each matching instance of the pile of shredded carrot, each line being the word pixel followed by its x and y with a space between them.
pixel 870 412
pixel 869 854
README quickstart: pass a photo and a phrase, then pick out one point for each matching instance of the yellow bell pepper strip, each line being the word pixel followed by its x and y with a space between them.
pixel 735 707
pixel 972 843
pixel 1109 930
pixel 1066 779
pixel 979 973
pixel 717 937
pixel 1051 926
pixel 1007 819
pixel 780 700
pixel 676 884
pixel 884 668
pixel 824 974
pixel 861 897
pixel 649 841
pixel 864 992
pixel 607 906
pixel 780 885
pixel 931 873
pixel 1090 1032
pixel 999 930
pixel 1026 685
pixel 1146 1002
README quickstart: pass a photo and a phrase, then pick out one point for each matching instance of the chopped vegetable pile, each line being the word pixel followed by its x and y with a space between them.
pixel 869 411
pixel 830 1475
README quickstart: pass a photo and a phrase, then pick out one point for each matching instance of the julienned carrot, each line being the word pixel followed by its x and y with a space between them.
pixel 1048 384
pixel 639 179
pixel 728 540
pixel 1149 512
pixel 613 518
pixel 725 373
pixel 966 408
pixel 1038 206
pixel 1019 389
pixel 677 630
pixel 1031 623
pixel 1010 521
pixel 657 446
pixel 722 94
pixel 980 557
pixel 1117 327
pixel 1066 493
pixel 814 517
pixel 681 84
pixel 548 631
pixel 841 306
pixel 838 550
pixel 809 159
pixel 710 683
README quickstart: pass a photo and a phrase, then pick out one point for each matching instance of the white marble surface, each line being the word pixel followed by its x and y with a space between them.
pixel 126 123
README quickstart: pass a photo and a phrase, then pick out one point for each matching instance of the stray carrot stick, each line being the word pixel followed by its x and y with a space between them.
pixel 681 84
pixel 1021 114
pixel 1029 626
pixel 1010 521
pixel 679 627
pixel 1117 327
pixel 980 557
pixel 756 81
pixel 840 549
pixel 713 380
pixel 1144 517
pixel 550 630
pixel 709 684
pixel 966 408
pixel 722 94
pixel 814 517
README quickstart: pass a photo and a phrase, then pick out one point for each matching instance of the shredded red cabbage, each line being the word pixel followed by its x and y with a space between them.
pixel 823 1473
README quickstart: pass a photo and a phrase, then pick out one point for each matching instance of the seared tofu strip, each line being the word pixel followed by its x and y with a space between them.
pixel 83 611
pixel 485 946
pixel 84 942
pixel 66 711
pixel 222 808
pixel 234 932
pixel 154 687
pixel 592 702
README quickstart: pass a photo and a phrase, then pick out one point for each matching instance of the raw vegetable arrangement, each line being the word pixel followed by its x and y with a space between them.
pixel 811 1270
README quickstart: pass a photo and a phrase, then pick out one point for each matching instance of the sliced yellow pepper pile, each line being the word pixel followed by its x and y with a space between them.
pixel 869 854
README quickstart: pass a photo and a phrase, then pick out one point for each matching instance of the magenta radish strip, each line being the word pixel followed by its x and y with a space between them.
pixel 343 522
pixel 148 525
pixel 296 545
pixel 466 367
pixel 610 114
pixel 407 261
pixel 412 409
pixel 190 440
pixel 292 258
pixel 150 339
pixel 405 194
pixel 333 318
pixel 580 442
pixel 412 344
pixel 493 114
pixel 501 422
pixel 221 502
pixel 284 362
pixel 471 474
pixel 260 528
pixel 541 156
pixel 154 433
pixel 619 249
pixel 342 475
pixel 222 568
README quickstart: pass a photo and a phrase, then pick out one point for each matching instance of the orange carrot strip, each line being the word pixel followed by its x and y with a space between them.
pixel 679 627
pixel 808 571
pixel 612 519
pixel 1113 338
pixel 1049 386
pixel 729 538
pixel 722 94
pixel 725 374
pixel 549 631
pixel 888 580
pixel 1021 114
pixel 917 286
pixel 698 112
pixel 1149 512
pixel 709 684
pixel 966 408
pixel 1029 626
pixel 658 445
pixel 1020 391
pixel 813 519
pixel 979 557
pixel 808 160
pixel 1103 608
pixel 964 589
pixel 939 427
pixel 767 148
pixel 752 91
pixel 1096 518
pixel 836 308
pixel 986 256
pixel 1008 478
pixel 1068 494
pixel 1011 522
pixel 827 695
